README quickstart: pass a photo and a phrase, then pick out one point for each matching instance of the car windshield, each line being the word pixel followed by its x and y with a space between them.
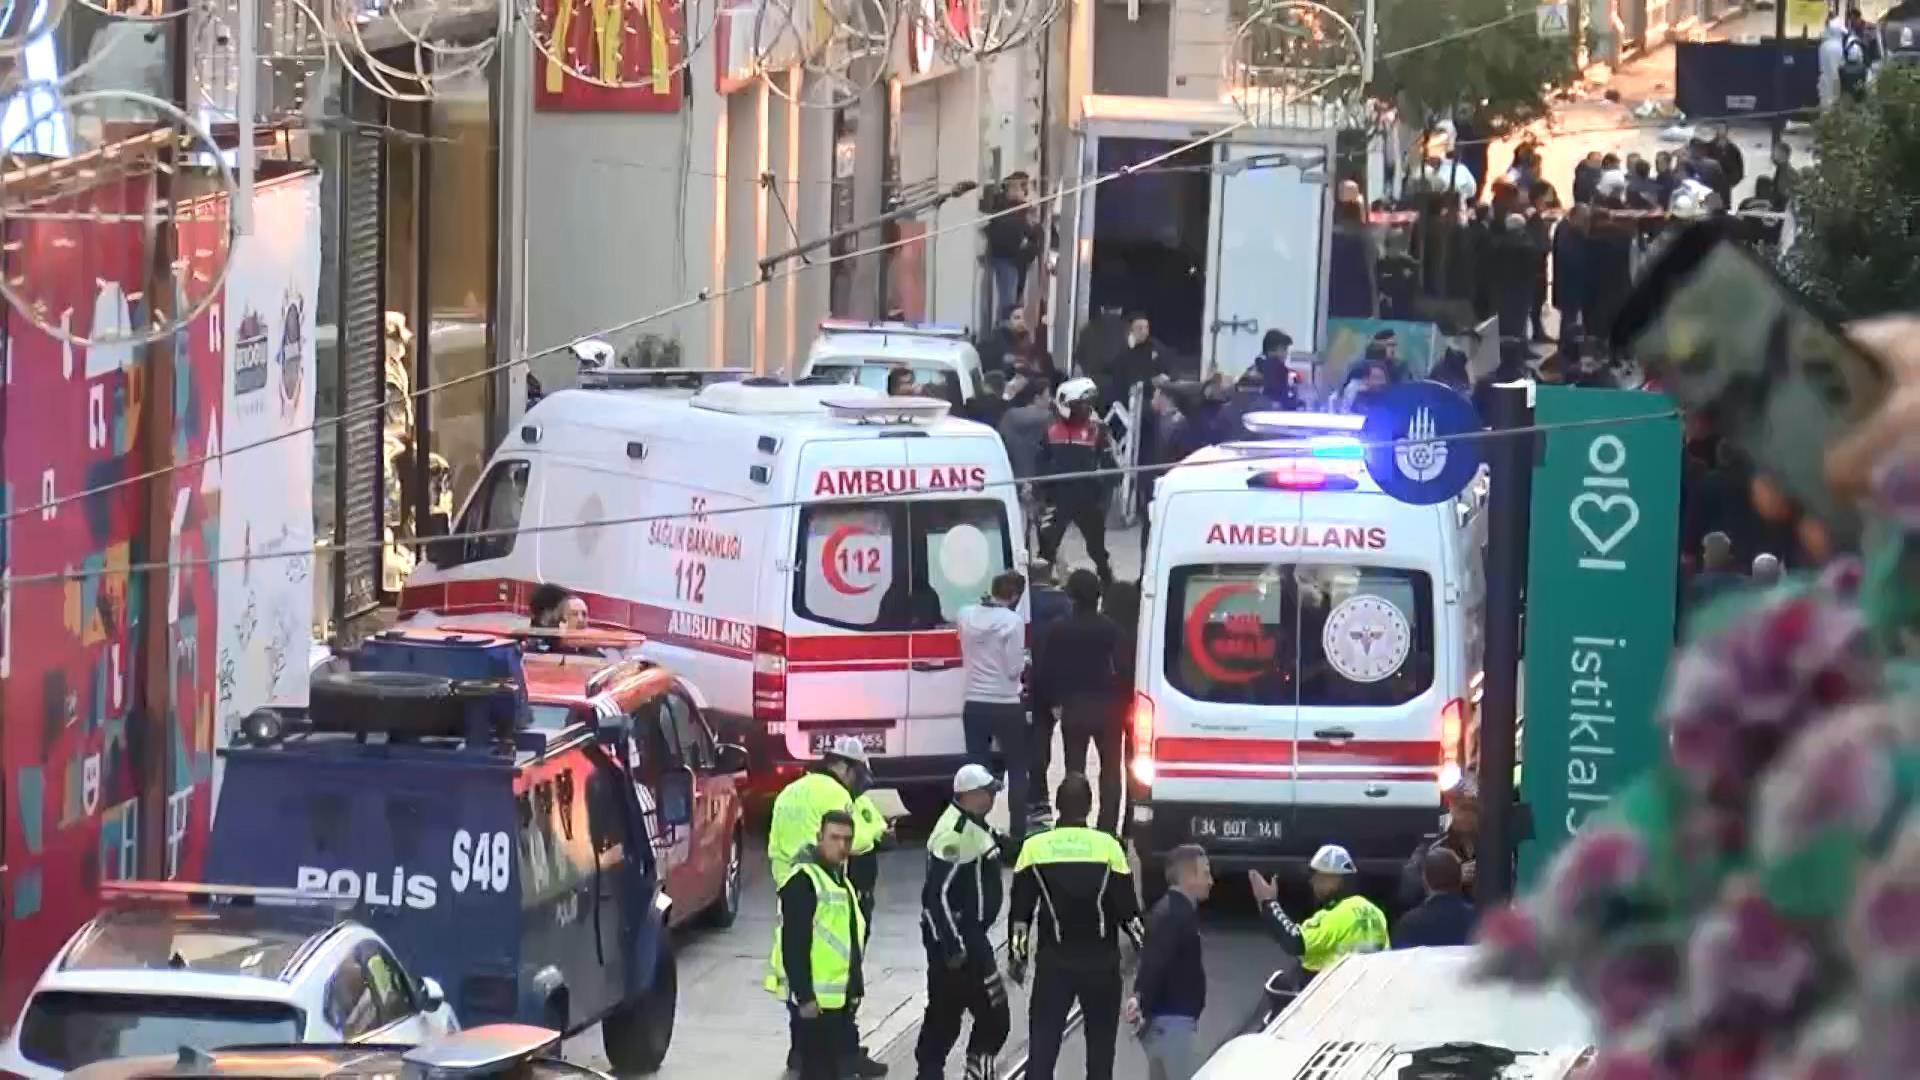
pixel 939 379
pixel 65 1030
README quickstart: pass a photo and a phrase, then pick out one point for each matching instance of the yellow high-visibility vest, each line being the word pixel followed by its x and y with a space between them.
pixel 836 926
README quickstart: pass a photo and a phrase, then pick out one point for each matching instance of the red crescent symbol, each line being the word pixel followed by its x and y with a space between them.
pixel 830 554
pixel 1195 626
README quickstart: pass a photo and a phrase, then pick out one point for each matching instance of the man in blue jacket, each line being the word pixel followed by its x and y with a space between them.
pixel 1170 983
pixel 1445 917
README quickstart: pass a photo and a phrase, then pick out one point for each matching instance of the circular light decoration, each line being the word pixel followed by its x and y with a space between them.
pixel 444 47
pixel 1293 51
pixel 616 44
pixel 981 28
pixel 71 218
pixel 824 54
pixel 25 22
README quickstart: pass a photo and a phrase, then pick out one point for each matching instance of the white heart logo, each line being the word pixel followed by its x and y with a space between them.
pixel 1603 507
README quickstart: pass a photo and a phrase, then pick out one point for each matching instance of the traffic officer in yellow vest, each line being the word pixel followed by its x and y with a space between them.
pixel 1073 938
pixel 958 905
pixel 1345 923
pixel 828 784
pixel 815 965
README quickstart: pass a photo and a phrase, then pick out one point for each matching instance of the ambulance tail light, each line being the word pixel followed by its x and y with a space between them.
pixel 769 677
pixel 1141 725
pixel 1453 742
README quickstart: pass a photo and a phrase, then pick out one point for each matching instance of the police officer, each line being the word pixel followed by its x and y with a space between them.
pixel 815 964
pixel 1346 922
pixel 1076 444
pixel 960 901
pixel 828 786
pixel 1090 902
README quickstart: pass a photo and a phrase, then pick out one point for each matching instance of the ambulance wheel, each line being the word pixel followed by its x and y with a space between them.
pixel 637 1036
pixel 726 907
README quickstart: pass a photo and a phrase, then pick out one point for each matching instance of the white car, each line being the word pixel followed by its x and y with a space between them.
pixel 867 353
pixel 168 965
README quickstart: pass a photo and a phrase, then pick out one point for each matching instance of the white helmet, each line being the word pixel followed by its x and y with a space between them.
pixel 1331 859
pixel 1072 392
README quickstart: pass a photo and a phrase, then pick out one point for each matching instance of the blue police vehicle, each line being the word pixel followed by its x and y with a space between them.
pixel 511 861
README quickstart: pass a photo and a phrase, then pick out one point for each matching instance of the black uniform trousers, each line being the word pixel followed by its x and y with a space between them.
pixel 951 994
pixel 819 1042
pixel 1087 515
pixel 1060 977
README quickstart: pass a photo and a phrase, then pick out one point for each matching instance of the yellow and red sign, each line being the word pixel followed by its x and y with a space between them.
pixel 630 50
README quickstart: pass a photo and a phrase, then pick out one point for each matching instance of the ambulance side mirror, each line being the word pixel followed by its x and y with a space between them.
pixel 431 996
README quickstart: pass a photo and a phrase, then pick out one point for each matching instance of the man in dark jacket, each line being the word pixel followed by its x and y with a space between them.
pixel 1048 605
pixel 1013 239
pixel 1170 981
pixel 1445 917
pixel 960 901
pixel 821 1002
pixel 1073 670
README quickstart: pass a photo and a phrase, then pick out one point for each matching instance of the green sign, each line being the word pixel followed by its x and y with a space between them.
pixel 1600 602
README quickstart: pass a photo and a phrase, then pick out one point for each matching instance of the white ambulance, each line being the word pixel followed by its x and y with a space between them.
pixel 941 358
pixel 1310 653
pixel 797 553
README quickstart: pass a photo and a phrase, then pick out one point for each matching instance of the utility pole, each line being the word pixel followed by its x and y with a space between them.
pixel 1509 501
pixel 1779 123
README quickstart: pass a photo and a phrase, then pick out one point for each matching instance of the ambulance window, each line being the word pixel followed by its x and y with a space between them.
pixel 848 565
pixel 965 545
pixel 1320 635
pixel 496 505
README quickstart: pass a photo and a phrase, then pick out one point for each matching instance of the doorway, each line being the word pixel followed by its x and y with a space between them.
pixel 1150 241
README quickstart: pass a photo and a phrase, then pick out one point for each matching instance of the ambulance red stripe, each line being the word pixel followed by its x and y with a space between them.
pixel 806 654
pixel 1282 772
pixel 1380 753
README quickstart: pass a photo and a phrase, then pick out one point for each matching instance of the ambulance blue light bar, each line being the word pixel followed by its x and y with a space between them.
pixel 1303 424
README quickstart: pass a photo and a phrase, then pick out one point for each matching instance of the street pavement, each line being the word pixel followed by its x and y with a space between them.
pixel 727 1025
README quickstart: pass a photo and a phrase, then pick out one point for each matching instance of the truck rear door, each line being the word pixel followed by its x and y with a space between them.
pixel 851 601
pixel 1269 226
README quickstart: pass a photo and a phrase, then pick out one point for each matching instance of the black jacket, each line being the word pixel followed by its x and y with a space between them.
pixel 1075 449
pixel 797 903
pixel 1073 658
pixel 1441 919
pixel 1171 979
pixel 1412 875
pixel 963 891
pixel 1088 905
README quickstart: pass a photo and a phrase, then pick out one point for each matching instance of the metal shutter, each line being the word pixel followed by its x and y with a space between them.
pixel 363 371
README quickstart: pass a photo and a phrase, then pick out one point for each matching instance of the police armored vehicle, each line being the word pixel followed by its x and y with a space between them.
pixel 511 861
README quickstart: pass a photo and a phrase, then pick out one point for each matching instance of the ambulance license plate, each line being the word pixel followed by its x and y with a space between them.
pixel 873 742
pixel 1210 827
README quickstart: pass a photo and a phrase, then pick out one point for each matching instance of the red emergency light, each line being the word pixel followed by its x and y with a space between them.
pixel 1302 478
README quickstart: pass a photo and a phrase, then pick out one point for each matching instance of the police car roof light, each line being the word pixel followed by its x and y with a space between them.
pixel 482 1051
pixel 886 410
pixel 198 894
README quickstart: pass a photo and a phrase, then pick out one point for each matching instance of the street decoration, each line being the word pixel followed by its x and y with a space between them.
pixel 1423 442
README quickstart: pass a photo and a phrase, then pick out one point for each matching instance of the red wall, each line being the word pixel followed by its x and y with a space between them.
pixel 78 742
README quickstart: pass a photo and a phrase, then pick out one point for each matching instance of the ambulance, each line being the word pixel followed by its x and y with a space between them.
pixel 1309 657
pixel 798 553
pixel 866 353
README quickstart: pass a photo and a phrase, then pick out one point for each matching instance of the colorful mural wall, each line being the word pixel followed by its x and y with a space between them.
pixel 103 754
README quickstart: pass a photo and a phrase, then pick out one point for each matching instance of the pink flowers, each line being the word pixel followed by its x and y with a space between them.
pixel 1838 776
pixel 1746 964
pixel 1596 865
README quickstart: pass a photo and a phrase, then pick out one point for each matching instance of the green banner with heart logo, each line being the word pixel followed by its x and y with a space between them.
pixel 1601 566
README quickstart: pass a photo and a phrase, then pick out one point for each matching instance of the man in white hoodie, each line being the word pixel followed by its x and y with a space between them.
pixel 993 647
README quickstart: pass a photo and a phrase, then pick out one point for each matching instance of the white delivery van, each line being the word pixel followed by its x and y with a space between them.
pixel 865 353
pixel 798 553
pixel 1412 1013
pixel 1310 653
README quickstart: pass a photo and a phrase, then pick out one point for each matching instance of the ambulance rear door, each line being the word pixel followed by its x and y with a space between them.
pixel 1364 576
pixel 847 646
pixel 964 531
pixel 1225 709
